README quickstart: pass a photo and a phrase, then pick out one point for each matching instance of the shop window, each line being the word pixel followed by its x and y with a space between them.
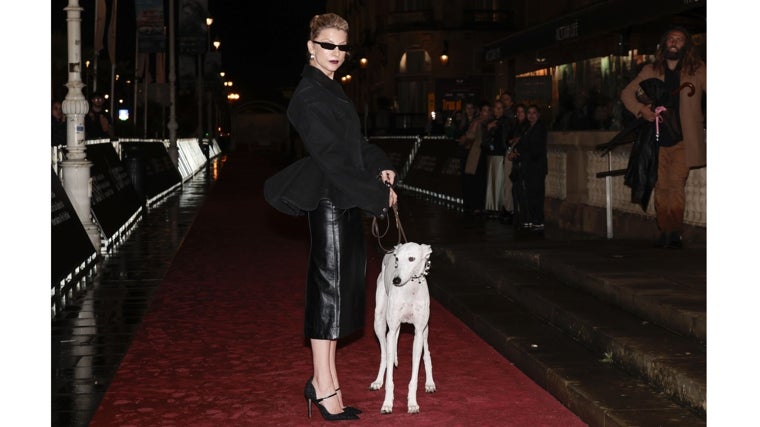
pixel 586 94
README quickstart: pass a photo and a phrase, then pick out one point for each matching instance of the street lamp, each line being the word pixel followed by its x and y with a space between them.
pixel 217 43
pixel 209 21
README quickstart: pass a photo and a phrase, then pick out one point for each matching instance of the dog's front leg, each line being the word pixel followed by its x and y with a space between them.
pixel 429 382
pixel 381 299
pixel 391 342
pixel 411 397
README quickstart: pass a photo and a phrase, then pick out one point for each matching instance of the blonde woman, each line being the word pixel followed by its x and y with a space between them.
pixel 342 177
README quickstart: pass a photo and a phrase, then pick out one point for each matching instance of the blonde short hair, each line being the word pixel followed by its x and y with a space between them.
pixel 324 21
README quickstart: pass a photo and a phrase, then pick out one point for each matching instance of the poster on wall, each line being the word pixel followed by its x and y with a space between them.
pixel 70 244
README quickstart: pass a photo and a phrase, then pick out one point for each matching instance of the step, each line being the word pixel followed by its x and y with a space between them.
pixel 662 291
pixel 618 373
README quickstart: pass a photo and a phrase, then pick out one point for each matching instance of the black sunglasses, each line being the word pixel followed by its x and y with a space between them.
pixel 330 46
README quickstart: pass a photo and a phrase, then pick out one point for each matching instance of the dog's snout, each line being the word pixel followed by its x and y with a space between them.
pixel 396 280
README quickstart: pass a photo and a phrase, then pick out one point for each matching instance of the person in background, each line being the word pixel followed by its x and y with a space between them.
pixel 508 99
pixel 97 124
pixel 517 130
pixel 530 151
pixel 58 132
pixel 342 176
pixel 494 147
pixel 474 189
pixel 677 63
pixel 469 113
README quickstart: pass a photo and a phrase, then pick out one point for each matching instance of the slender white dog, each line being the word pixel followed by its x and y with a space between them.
pixel 402 297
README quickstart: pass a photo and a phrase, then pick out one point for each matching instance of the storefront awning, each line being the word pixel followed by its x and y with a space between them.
pixel 594 20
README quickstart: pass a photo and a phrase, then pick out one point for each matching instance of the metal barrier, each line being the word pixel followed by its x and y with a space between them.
pixel 608 191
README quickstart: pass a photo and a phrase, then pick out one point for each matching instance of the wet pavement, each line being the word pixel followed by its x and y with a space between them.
pixel 91 336
pixel 612 331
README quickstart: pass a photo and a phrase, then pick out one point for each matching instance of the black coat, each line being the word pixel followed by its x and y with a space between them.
pixel 341 165
pixel 532 149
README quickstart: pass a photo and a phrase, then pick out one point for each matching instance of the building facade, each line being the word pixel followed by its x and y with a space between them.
pixel 415 61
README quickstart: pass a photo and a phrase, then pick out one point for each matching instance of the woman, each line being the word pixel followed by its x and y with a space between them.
pixel 342 176
pixel 515 132
pixel 494 147
pixel 530 152
pixel 474 177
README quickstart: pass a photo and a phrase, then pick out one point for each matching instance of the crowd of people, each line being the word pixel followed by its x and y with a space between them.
pixel 502 152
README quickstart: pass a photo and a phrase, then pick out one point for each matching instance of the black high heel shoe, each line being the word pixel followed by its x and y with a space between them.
pixel 311 396
pixel 350 409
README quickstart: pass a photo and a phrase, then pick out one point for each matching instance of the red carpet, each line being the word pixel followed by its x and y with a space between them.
pixel 222 343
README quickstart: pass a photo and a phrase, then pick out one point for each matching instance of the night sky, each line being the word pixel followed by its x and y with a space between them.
pixel 263 43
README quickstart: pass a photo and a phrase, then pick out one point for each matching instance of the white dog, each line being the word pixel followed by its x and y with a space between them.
pixel 402 297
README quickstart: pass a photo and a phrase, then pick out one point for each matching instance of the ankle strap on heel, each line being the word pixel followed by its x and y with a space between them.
pixel 326 397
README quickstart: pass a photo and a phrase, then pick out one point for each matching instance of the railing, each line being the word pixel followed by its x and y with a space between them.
pixel 608 191
pixel 574 164
pixel 115 209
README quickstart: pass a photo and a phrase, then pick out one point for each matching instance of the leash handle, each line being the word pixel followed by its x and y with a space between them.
pixel 379 236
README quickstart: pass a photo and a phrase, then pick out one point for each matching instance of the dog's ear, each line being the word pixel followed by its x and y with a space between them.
pixel 396 249
pixel 427 250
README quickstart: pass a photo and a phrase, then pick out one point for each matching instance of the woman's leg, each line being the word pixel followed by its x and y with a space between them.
pixel 334 371
pixel 325 374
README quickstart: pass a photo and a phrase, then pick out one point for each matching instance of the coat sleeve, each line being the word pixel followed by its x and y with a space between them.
pixel 628 94
pixel 325 140
pixel 376 159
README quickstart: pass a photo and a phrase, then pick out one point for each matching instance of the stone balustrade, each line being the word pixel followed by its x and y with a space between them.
pixel 574 191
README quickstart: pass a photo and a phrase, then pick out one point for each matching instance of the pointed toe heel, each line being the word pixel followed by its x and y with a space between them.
pixel 311 397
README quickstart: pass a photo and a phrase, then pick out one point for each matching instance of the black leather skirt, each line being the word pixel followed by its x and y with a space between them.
pixel 337 272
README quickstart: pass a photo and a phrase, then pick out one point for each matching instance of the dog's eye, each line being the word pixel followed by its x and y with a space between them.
pixel 411 259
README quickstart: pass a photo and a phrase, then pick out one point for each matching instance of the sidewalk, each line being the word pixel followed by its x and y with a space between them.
pixel 615 329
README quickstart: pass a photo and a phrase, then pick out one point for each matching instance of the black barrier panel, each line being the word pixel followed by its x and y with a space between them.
pixel 70 244
pixel 150 168
pixel 436 168
pixel 398 151
pixel 114 199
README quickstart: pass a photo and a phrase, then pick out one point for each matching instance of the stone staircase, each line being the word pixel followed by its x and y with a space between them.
pixel 615 330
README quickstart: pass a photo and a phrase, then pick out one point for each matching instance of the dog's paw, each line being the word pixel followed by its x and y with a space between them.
pixel 387 408
pixel 377 385
pixel 430 388
pixel 414 408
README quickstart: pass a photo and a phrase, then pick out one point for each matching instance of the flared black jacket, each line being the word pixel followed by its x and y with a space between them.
pixel 341 165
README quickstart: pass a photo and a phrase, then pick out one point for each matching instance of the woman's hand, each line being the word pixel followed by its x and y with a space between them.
pixel 388 177
pixel 392 198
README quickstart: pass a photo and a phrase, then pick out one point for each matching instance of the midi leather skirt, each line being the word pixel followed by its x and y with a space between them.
pixel 335 284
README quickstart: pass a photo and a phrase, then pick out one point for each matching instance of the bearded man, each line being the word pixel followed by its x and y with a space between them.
pixel 679 65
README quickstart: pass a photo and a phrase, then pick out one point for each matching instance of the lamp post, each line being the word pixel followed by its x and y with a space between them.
pixel 76 167
pixel 212 89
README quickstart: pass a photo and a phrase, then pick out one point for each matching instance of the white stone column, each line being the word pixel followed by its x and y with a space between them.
pixel 76 167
